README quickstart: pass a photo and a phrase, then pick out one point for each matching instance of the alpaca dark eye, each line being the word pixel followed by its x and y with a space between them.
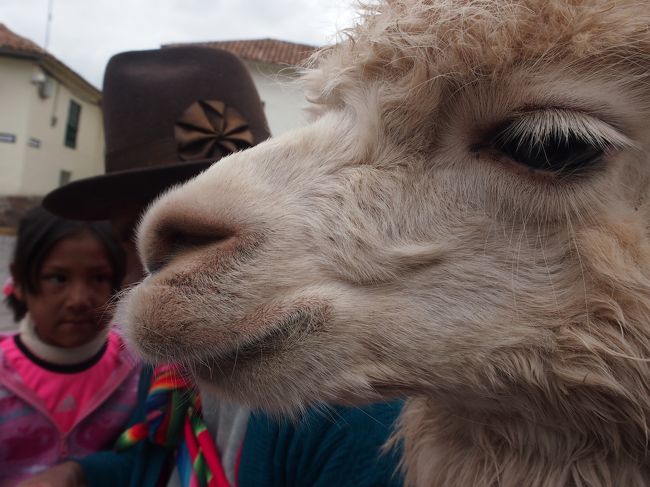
pixel 561 153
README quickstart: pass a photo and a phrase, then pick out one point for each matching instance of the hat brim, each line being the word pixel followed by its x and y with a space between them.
pixel 99 197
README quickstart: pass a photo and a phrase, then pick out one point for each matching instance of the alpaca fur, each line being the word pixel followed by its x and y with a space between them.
pixel 394 248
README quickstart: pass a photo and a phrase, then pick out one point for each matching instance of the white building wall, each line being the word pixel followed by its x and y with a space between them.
pixel 47 123
pixel 34 168
pixel 284 101
pixel 15 87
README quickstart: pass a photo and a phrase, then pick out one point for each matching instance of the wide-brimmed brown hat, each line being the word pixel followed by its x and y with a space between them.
pixel 168 115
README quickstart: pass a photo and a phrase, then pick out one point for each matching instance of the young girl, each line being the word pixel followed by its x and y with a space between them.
pixel 67 385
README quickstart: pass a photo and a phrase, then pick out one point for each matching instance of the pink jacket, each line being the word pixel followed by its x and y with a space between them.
pixel 31 442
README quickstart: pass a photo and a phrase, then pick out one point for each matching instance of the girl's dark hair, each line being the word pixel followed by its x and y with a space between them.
pixel 38 231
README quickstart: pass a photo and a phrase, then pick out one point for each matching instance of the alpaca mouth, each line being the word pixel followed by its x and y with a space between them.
pixel 283 336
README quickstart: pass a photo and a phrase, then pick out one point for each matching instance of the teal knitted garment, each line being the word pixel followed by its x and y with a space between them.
pixel 336 447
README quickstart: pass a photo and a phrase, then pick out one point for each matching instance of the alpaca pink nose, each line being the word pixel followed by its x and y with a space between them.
pixel 166 237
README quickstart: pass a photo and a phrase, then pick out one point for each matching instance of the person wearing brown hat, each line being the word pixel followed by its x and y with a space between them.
pixel 168 115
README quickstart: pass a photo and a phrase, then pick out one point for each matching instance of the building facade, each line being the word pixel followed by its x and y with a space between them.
pixel 50 120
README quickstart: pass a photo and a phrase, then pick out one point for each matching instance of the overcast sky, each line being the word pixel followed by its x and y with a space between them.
pixel 85 33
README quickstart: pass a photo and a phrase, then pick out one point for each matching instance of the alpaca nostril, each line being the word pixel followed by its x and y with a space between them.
pixel 171 242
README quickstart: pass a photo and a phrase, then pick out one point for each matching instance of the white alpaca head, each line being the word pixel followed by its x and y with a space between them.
pixel 468 217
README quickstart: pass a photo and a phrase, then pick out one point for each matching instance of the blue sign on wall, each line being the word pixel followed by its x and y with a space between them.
pixel 7 138
pixel 34 142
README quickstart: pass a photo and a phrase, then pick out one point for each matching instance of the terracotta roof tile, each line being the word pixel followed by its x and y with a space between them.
pixel 270 51
pixel 11 40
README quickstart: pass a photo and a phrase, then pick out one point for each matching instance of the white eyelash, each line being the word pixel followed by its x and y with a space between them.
pixel 535 127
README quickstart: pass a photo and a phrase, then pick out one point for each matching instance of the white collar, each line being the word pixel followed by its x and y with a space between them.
pixel 58 355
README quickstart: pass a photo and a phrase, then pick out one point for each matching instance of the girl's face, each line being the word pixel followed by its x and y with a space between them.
pixel 74 284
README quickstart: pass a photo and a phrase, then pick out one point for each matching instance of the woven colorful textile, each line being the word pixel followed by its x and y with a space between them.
pixel 173 419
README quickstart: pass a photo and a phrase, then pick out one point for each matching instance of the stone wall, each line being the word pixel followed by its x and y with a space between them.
pixel 12 208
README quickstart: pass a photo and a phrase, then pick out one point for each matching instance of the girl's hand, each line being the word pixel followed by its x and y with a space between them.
pixel 66 474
